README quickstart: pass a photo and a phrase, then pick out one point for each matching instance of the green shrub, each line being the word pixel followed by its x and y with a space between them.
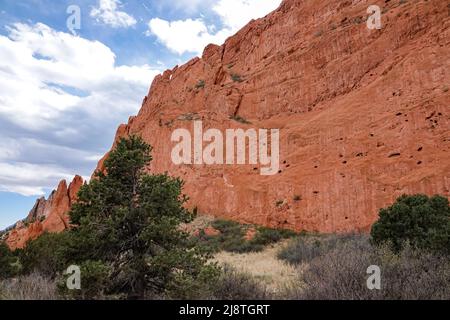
pixel 190 288
pixel 318 33
pixel 279 203
pixel 228 227
pixel 231 237
pixel 236 78
pixel 422 221
pixel 243 246
pixel 8 266
pixel 266 236
pixel 240 119
pixel 94 281
pixel 45 255
pixel 200 84
pixel 189 116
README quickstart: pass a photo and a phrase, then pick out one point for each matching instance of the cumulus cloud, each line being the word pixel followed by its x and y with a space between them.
pixel 190 35
pixel 237 13
pixel 28 179
pixel 61 99
pixel 107 12
pixel 185 35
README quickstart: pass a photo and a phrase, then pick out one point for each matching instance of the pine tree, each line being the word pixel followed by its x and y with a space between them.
pixel 129 221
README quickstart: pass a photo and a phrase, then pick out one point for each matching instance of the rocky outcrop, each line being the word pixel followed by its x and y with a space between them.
pixel 47 215
pixel 363 114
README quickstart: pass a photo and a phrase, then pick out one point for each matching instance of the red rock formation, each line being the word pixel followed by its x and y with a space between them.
pixel 250 234
pixel 211 231
pixel 363 114
pixel 47 215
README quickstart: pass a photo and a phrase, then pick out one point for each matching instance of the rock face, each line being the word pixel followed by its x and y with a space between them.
pixel 363 114
pixel 47 215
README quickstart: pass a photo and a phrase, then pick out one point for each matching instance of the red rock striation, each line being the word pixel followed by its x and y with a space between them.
pixel 364 114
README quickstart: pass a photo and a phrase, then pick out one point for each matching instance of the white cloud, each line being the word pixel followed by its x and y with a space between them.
pixel 190 35
pixel 61 99
pixel 29 179
pixel 185 35
pixel 237 13
pixel 107 13
pixel 44 73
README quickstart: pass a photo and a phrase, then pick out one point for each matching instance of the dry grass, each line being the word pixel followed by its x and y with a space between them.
pixel 304 249
pixel 341 274
pixel 235 285
pixel 31 287
pixel 264 266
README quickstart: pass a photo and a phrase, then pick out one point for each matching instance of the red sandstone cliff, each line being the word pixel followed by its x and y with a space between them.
pixel 364 114
pixel 47 215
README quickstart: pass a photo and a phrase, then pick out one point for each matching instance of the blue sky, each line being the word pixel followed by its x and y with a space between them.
pixel 62 95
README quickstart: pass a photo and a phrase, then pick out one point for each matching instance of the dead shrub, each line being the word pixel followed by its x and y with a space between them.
pixel 29 287
pixel 233 285
pixel 341 274
pixel 303 249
